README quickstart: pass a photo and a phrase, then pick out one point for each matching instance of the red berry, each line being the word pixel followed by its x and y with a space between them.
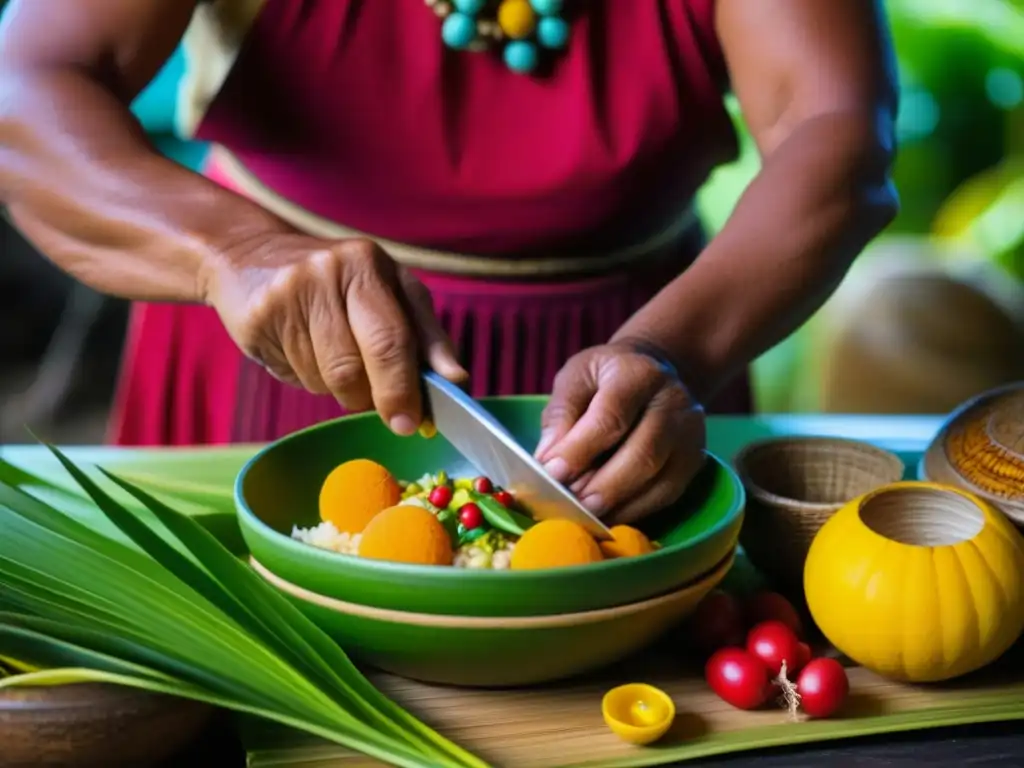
pixel 441 496
pixel 771 606
pixel 774 643
pixel 823 687
pixel 470 516
pixel 805 656
pixel 717 622
pixel 738 678
pixel 483 485
pixel 504 498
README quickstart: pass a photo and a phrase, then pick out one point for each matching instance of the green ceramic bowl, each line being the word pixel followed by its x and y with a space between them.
pixel 280 486
pixel 480 651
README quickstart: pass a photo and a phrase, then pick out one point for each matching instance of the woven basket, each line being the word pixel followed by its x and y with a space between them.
pixel 980 448
pixel 794 485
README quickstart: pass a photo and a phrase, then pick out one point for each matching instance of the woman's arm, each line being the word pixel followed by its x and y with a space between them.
pixel 87 189
pixel 817 84
pixel 76 170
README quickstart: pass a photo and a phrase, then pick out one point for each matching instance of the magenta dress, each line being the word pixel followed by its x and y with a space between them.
pixel 353 111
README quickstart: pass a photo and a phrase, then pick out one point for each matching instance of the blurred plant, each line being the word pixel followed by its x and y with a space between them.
pixel 962 78
pixel 960 128
pixel 985 218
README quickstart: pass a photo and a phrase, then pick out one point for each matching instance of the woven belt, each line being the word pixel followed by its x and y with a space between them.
pixel 446 261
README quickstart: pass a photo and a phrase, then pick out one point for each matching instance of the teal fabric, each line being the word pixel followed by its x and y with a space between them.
pixel 155 108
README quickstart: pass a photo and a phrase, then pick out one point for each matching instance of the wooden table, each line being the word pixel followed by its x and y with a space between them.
pixel 1000 744
pixel 986 745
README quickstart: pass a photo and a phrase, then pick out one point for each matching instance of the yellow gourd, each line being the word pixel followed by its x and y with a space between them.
pixel 919 582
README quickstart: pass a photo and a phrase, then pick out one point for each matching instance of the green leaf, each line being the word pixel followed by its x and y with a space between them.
pixel 256 604
pixel 206 495
pixel 501 517
pixel 153 599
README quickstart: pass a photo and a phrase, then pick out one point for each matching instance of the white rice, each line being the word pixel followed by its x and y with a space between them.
pixel 476 558
pixel 470 556
pixel 326 536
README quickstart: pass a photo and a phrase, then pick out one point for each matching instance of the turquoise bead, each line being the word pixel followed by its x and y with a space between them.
pixel 469 7
pixel 547 7
pixel 553 32
pixel 520 56
pixel 458 30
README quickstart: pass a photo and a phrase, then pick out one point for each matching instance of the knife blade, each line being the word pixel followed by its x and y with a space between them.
pixel 485 442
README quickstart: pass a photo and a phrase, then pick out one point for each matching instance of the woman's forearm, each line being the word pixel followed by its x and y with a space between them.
pixel 82 182
pixel 818 200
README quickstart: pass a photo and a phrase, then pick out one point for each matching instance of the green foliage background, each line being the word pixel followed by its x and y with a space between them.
pixel 960 169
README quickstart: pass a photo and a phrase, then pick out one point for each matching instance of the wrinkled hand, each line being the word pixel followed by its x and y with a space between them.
pixel 617 399
pixel 338 317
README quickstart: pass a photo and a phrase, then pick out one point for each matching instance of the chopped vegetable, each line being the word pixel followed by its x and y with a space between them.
pixel 441 496
pixel 501 517
pixel 480 519
pixel 504 498
pixel 471 516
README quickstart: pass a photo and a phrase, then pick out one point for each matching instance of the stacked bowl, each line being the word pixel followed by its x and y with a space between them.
pixel 477 627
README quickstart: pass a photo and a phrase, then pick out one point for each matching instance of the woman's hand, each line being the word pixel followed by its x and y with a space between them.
pixel 337 317
pixel 621 402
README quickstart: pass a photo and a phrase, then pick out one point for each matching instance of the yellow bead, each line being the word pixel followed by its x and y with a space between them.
pixel 517 19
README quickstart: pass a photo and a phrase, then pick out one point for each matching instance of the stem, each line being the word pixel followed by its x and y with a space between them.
pixel 790 698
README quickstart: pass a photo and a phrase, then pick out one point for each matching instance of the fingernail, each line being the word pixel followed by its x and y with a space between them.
pixel 403 424
pixel 594 503
pixel 456 372
pixel 558 469
pixel 547 437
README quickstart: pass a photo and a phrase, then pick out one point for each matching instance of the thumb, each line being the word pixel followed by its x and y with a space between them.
pixel 434 342
pixel 574 388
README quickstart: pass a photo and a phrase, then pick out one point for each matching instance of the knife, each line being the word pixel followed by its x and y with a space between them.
pixel 483 441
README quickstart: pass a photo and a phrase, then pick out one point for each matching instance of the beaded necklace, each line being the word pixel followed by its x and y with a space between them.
pixel 520 29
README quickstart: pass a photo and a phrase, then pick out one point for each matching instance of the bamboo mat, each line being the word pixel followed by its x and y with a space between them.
pixel 561 726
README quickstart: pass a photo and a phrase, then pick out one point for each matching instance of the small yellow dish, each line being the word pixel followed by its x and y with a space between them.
pixel 638 713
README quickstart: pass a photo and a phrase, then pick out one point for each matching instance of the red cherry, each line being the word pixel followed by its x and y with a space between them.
pixel 774 643
pixel 504 498
pixel 483 485
pixel 738 678
pixel 441 496
pixel 470 516
pixel 823 687
pixel 805 656
pixel 771 606
pixel 717 623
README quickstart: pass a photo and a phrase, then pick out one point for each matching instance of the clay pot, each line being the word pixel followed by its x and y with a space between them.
pixel 94 725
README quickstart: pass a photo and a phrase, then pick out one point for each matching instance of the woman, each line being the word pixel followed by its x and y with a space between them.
pixel 381 199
